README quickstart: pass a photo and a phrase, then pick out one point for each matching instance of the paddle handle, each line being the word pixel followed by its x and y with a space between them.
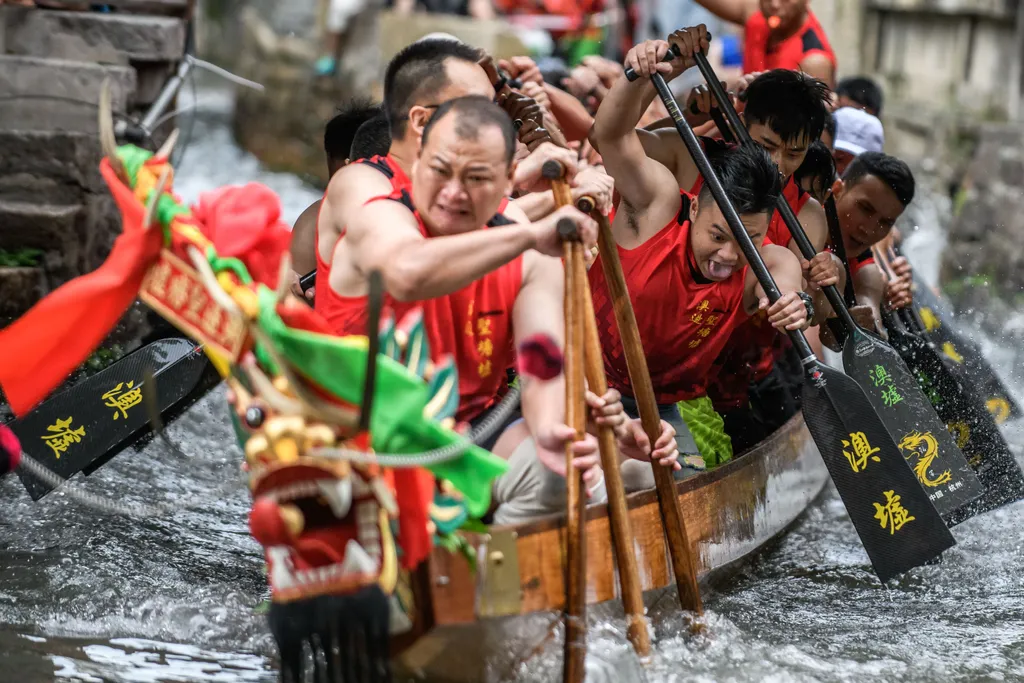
pixel 575 615
pixel 790 219
pixel 618 511
pixel 575 416
pixel 683 564
pixel 718 192
pixel 307 280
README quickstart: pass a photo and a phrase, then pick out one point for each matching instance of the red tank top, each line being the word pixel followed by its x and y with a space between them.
pixel 473 325
pixel 755 345
pixel 325 301
pixel 683 321
pixel 758 56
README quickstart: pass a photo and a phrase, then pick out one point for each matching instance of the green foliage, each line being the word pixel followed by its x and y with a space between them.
pixel 20 258
pixel 103 358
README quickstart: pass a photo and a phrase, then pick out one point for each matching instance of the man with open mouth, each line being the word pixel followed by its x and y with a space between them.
pixel 688 280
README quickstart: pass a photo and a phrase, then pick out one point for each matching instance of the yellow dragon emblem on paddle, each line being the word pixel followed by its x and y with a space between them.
pixel 926 448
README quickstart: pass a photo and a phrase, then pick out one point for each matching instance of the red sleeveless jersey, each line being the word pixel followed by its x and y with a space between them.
pixel 753 347
pixel 474 325
pixel 787 54
pixel 684 321
pixel 326 302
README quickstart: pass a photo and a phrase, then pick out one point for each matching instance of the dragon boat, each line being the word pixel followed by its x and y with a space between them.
pixel 367 497
pixel 477 626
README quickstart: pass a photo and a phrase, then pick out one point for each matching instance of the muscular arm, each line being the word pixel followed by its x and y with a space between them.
pixel 572 116
pixel 538 310
pixel 532 207
pixel 385 236
pixel 348 190
pixel 303 245
pixel 819 66
pixel 784 268
pixel 646 185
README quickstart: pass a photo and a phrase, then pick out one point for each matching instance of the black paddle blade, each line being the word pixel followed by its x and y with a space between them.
pixel 896 522
pixel 968 421
pixel 969 362
pixel 908 415
pixel 93 420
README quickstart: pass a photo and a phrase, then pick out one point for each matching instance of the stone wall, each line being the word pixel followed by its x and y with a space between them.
pixel 283 126
pixel 52 65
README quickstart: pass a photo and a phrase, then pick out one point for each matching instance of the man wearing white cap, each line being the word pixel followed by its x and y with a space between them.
pixel 856 132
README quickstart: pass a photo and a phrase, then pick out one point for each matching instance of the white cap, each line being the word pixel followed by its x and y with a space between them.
pixel 858 131
pixel 439 35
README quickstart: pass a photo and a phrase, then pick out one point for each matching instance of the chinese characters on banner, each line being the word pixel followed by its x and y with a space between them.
pixel 173 289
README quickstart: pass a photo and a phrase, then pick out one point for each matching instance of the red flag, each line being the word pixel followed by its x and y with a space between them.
pixel 245 223
pixel 40 349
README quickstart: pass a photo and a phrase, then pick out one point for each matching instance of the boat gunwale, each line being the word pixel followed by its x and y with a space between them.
pixel 646 497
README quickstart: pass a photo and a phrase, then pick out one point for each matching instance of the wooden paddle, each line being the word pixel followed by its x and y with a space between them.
pixel 963 413
pixel 680 551
pixel 575 614
pixel 618 511
pixel 897 523
pixel 877 367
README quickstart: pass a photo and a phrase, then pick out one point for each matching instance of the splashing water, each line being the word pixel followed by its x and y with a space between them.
pixel 85 597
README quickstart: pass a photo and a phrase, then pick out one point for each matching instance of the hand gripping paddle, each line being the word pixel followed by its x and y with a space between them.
pixel 889 385
pixel 896 522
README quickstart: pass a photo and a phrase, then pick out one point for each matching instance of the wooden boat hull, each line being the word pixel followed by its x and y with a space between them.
pixel 731 512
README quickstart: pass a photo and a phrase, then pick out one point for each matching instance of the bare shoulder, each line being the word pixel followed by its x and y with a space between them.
pixel 354 184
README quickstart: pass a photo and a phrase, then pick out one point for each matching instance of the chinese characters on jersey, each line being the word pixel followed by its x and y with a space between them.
pixel 700 316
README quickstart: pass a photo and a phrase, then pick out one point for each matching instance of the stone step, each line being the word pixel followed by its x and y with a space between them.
pixel 93 36
pixel 20 288
pixel 49 167
pixel 41 226
pixel 58 94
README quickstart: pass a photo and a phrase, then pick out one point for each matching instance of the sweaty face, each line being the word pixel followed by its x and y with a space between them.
pixel 789 13
pixel 717 254
pixel 868 209
pixel 458 182
pixel 787 155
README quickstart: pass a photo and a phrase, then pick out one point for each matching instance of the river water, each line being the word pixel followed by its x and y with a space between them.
pixel 89 596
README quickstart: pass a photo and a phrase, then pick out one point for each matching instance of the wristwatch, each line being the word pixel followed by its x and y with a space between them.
pixel 808 303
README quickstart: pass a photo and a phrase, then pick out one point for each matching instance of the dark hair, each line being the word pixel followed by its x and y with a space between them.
pixel 818 165
pixel 791 103
pixel 864 91
pixel 417 70
pixel 830 128
pixel 890 170
pixel 475 112
pixel 372 139
pixel 749 177
pixel 341 130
